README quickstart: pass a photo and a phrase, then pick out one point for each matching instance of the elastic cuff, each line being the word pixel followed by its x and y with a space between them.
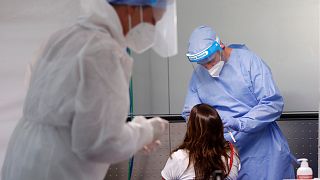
pixel 237 125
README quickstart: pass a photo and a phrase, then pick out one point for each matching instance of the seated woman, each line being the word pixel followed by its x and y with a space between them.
pixel 204 150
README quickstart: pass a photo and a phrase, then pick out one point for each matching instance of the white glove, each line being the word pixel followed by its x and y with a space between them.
pixel 151 147
pixel 159 127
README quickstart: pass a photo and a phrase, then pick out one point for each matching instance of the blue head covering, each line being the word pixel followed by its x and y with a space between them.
pixel 203 44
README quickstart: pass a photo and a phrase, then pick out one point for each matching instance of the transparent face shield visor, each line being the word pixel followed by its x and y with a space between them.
pixel 205 56
pixel 165 14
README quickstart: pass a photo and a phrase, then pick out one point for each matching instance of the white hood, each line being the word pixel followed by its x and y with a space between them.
pixel 102 14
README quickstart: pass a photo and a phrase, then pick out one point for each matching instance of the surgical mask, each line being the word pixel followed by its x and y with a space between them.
pixel 142 36
pixel 216 69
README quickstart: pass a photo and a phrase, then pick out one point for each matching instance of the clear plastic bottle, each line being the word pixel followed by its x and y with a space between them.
pixel 304 171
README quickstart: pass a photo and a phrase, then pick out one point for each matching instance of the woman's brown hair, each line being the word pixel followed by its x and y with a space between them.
pixel 205 143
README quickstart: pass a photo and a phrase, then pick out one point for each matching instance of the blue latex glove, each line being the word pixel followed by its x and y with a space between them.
pixel 231 123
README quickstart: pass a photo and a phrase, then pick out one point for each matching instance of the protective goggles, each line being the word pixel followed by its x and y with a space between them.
pixel 202 57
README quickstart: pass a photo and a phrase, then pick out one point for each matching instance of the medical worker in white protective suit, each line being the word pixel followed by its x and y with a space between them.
pixel 74 119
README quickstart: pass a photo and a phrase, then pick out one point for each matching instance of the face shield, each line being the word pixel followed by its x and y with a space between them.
pixel 205 55
pixel 164 14
pixel 165 42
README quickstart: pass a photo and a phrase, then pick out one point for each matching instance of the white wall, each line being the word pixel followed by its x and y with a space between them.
pixel 150 84
pixel 15 52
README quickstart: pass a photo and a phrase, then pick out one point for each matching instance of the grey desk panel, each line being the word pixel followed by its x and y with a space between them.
pixel 150 166
pixel 145 167
pixel 118 171
pixel 177 132
pixel 302 136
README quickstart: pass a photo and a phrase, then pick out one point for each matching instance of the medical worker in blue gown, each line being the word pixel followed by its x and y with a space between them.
pixel 240 86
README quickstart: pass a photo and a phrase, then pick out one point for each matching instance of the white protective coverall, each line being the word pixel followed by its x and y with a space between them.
pixel 74 118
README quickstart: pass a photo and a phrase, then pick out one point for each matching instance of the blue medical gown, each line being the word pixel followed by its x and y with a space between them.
pixel 246 93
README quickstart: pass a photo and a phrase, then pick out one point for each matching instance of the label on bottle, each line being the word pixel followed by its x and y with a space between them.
pixel 304 176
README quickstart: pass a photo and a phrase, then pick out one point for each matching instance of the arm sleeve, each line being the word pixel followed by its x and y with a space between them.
pixel 270 102
pixel 99 131
pixel 192 98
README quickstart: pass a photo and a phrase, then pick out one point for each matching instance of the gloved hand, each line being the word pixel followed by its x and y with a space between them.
pixel 159 126
pixel 151 147
pixel 231 122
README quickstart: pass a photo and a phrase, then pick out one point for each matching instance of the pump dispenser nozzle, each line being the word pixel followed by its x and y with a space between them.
pixel 304 162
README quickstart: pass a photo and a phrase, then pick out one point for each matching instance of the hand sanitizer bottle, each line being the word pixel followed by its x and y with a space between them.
pixel 304 171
